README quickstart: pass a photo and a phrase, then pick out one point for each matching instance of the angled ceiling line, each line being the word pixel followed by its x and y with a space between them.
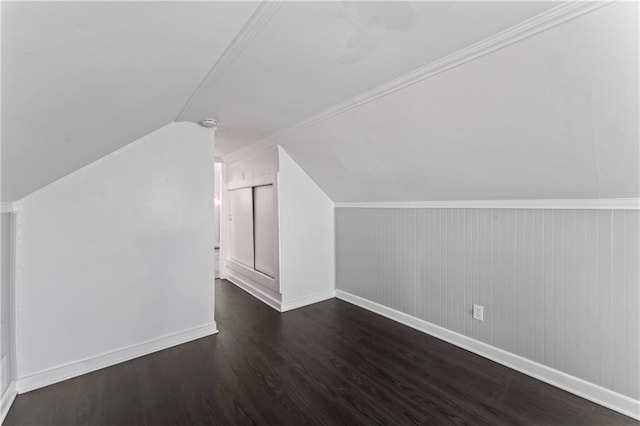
pixel 542 22
pixel 264 12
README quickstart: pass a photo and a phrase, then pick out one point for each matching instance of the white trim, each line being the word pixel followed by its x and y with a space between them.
pixel 539 23
pixel 7 207
pixel 608 398
pixel 263 295
pixel 255 181
pixel 246 272
pixel 224 222
pixel 9 361
pixel 263 13
pixel 7 400
pixel 578 204
pixel 16 281
pixel 87 365
pixel 308 300
pixel 253 290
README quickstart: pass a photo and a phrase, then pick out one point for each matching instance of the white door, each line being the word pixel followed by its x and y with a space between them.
pixel 264 220
pixel 241 226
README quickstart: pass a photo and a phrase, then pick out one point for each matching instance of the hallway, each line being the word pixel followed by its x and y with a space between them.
pixel 328 363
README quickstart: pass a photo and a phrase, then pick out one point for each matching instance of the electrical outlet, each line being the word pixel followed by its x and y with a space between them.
pixel 478 312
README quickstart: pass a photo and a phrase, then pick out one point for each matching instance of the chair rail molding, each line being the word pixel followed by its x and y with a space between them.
pixel 564 204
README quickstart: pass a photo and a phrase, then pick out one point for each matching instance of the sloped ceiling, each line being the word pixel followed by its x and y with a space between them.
pixel 82 79
pixel 312 55
pixel 552 116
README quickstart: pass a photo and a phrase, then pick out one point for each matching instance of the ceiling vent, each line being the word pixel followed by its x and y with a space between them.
pixel 209 123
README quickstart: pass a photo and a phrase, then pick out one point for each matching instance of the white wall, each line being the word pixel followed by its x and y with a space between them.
pixel 5 281
pixel 306 236
pixel 7 342
pixel 552 116
pixel 560 287
pixel 116 259
pixel 263 164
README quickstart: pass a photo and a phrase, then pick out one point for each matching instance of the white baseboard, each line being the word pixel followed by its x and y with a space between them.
pixel 87 365
pixel 606 397
pixel 278 305
pixel 253 290
pixel 307 300
pixel 253 277
pixel 7 399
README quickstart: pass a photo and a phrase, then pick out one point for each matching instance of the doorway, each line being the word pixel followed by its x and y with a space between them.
pixel 7 336
pixel 217 215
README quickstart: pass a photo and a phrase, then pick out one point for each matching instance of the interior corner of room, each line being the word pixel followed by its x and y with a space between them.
pixel 412 212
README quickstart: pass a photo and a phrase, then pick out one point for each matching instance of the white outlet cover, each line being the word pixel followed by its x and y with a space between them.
pixel 478 312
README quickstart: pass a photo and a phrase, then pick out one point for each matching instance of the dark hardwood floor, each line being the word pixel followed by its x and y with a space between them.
pixel 329 363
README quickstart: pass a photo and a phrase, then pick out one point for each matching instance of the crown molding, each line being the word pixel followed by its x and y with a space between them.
pixel 535 25
pixel 556 204
pixel 263 13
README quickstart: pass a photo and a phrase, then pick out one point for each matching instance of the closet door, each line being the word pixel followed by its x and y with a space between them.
pixel 241 226
pixel 264 221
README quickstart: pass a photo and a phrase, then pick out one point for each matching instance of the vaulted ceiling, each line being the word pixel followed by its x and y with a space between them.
pixel 553 116
pixel 311 55
pixel 82 79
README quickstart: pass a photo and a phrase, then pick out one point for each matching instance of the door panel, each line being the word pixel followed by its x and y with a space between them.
pixel 241 226
pixel 264 220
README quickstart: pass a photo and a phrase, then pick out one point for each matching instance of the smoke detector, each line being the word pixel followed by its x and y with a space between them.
pixel 209 123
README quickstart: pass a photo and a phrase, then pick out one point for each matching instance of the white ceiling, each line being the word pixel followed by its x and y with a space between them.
pixel 312 55
pixel 82 79
pixel 552 116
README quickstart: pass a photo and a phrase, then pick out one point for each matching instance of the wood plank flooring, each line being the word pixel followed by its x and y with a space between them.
pixel 330 363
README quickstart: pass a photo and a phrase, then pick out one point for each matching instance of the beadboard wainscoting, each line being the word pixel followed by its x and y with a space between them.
pixel 560 287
